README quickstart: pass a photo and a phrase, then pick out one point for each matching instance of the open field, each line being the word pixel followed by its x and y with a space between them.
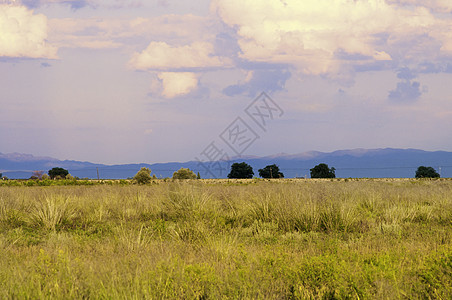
pixel 207 239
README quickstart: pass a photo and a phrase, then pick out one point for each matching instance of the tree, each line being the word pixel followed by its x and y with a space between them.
pixel 143 176
pixel 270 171
pixel 58 172
pixel 323 171
pixel 426 172
pixel 198 176
pixel 241 171
pixel 183 173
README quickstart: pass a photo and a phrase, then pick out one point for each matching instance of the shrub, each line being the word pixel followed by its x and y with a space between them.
pixel 183 173
pixel 143 176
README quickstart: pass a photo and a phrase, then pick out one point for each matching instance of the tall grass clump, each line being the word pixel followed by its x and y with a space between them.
pixel 51 211
pixel 184 202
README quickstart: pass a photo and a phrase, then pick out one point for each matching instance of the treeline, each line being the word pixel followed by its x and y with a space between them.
pixel 238 171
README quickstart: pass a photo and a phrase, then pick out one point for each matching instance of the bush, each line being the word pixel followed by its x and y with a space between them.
pixel 143 176
pixel 183 173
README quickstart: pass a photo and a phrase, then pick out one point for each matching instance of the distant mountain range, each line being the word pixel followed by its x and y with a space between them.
pixel 356 163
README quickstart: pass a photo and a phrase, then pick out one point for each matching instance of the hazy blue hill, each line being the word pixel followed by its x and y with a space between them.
pixel 372 163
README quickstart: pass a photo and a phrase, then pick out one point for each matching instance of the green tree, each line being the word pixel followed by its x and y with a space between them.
pixel 57 173
pixel 271 171
pixel 183 173
pixel 426 172
pixel 323 171
pixel 143 176
pixel 241 171
pixel 198 176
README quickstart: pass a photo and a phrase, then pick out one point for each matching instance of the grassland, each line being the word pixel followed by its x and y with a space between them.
pixel 254 239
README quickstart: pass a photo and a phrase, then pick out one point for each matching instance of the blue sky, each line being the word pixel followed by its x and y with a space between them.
pixel 121 81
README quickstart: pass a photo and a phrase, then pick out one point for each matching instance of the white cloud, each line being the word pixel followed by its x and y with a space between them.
pixel 23 33
pixel 176 84
pixel 324 36
pixel 161 56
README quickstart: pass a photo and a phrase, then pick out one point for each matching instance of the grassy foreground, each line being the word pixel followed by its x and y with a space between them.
pixel 256 239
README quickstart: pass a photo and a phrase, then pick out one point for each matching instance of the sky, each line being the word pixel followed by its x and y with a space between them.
pixel 130 81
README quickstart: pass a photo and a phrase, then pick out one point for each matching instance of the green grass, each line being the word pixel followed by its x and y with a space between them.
pixel 221 239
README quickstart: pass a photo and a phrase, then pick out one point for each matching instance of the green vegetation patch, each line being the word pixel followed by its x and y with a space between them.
pixel 252 239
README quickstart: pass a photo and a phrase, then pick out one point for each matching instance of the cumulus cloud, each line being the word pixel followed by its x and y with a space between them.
pixel 23 33
pixel 306 33
pixel 256 81
pixel 324 36
pixel 406 91
pixel 174 84
pixel 161 56
pixel 406 73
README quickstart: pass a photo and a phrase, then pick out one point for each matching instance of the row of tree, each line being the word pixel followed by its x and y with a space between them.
pixel 144 175
pixel 244 170
pixel 238 171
